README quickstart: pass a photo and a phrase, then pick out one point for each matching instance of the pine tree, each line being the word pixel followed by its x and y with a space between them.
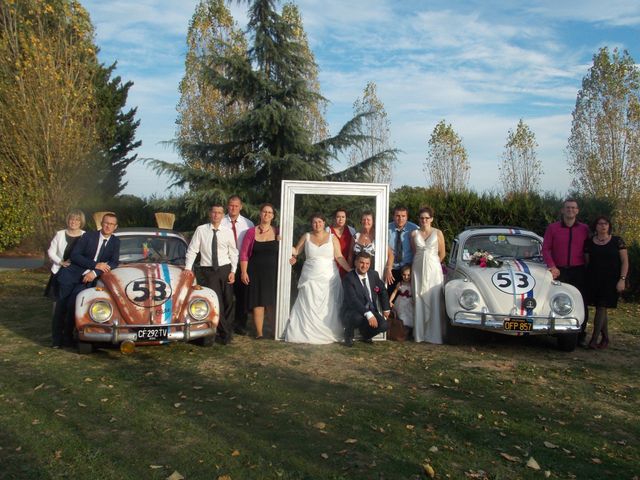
pixel 271 140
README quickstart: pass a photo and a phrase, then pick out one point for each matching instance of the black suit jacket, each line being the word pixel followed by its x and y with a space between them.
pixel 356 300
pixel 82 257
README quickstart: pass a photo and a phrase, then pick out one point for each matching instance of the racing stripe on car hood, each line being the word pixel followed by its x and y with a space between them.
pixel 523 267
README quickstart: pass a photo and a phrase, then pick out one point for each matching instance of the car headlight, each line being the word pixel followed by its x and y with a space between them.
pixel 469 299
pixel 562 304
pixel 100 311
pixel 199 309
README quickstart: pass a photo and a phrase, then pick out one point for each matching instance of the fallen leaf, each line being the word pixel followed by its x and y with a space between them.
pixel 175 476
pixel 324 455
pixel 511 458
pixel 547 473
pixel 58 454
pixel 351 440
pixel 155 467
pixel 433 449
pixel 224 477
pixel 38 387
pixel 456 381
pixel 410 427
pixel 320 425
pixel 550 445
pixel 235 453
pixel 104 400
pixel 80 404
pixel 197 387
pixel 35 422
pixel 532 464
pixel 177 405
pixel 428 469
pixel 596 460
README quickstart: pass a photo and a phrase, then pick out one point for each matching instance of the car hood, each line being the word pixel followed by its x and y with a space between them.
pixel 507 286
pixel 151 293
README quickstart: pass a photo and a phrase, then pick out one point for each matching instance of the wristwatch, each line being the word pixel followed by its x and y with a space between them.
pixel 622 277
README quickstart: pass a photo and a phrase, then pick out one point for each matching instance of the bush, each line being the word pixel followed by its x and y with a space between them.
pixel 16 220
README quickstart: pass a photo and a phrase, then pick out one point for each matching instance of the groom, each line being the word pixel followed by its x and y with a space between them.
pixel 362 288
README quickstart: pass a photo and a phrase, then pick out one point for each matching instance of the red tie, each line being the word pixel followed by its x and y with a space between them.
pixel 235 233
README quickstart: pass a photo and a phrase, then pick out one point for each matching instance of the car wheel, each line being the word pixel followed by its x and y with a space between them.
pixel 85 348
pixel 206 341
pixel 568 342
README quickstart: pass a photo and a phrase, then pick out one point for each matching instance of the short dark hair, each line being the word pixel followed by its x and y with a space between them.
pixel 400 208
pixel 216 205
pixel 109 214
pixel 317 215
pixel 363 254
pixel 234 197
pixel 340 209
pixel 570 200
pixel 606 219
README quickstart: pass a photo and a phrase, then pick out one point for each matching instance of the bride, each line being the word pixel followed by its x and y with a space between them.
pixel 315 316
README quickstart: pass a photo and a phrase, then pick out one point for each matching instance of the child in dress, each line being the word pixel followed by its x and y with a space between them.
pixel 401 301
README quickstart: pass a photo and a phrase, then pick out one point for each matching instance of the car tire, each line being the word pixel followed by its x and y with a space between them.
pixel 206 341
pixel 568 342
pixel 85 348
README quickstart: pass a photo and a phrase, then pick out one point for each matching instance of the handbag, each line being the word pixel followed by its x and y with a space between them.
pixel 396 330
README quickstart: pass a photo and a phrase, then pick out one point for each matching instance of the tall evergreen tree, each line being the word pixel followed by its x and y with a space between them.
pixel 116 130
pixel 270 141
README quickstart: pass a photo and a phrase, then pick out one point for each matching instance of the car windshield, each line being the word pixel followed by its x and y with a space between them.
pixel 503 245
pixel 152 249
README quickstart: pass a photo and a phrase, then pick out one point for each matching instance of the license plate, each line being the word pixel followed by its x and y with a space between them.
pixel 518 325
pixel 152 333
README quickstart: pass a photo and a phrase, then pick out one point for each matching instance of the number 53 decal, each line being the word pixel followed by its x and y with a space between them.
pixel 504 282
pixel 148 292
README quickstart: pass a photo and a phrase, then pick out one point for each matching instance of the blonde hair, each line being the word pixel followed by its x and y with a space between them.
pixel 76 213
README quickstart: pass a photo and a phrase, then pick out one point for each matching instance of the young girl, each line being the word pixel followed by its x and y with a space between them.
pixel 403 304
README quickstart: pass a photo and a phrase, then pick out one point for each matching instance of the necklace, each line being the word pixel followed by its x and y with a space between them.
pixel 601 241
pixel 265 230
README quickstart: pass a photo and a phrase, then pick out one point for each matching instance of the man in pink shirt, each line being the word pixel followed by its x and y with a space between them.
pixel 563 251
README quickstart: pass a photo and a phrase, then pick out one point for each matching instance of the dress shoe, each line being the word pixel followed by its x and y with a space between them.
pixel 367 340
pixel 603 344
pixel 240 331
pixel 348 342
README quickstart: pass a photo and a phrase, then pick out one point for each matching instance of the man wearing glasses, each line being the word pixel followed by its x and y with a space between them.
pixel 563 252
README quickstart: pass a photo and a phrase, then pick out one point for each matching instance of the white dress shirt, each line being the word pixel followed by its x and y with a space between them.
pixel 242 225
pixel 201 243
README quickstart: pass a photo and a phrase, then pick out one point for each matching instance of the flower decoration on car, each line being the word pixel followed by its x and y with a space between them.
pixel 484 259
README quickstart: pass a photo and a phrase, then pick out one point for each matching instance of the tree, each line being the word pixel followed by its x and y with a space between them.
pixel 376 131
pixel 47 106
pixel 116 129
pixel 520 169
pixel 203 111
pixel 271 140
pixel 447 167
pixel 604 145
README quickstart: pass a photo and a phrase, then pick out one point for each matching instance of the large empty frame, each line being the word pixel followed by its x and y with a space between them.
pixel 291 188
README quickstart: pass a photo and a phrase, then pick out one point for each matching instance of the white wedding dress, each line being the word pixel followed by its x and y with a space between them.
pixel 315 316
pixel 426 279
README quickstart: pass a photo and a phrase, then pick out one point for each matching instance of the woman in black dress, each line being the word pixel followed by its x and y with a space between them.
pixel 607 267
pixel 259 267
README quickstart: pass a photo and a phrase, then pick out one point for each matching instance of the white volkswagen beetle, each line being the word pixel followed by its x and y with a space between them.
pixel 496 281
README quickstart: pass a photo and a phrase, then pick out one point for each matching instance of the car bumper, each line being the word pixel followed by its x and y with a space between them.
pixel 495 322
pixel 117 333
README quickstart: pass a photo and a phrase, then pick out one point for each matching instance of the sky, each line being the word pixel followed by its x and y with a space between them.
pixel 481 65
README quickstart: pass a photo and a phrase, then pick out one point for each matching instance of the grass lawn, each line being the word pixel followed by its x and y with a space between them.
pixel 270 410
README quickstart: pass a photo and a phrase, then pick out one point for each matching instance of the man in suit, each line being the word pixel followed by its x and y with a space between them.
pixel 218 262
pixel 93 254
pixel 362 289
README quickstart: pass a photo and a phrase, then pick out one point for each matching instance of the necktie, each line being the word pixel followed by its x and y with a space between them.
pixel 371 305
pixel 214 250
pixel 103 247
pixel 235 233
pixel 398 247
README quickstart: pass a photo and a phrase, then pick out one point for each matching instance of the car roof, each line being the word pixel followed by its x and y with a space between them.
pixel 493 230
pixel 146 231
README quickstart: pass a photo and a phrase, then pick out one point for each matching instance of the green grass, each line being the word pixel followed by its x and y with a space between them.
pixel 269 410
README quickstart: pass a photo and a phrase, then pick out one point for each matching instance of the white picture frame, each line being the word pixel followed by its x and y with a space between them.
pixel 291 188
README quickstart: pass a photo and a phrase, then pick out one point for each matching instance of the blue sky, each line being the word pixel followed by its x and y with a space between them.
pixel 480 65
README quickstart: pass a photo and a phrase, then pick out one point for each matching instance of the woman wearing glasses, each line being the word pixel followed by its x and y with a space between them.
pixel 427 244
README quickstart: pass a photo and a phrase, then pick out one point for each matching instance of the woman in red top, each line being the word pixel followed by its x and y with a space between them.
pixel 344 235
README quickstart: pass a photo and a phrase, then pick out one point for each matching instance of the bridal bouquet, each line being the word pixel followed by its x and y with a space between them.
pixel 484 259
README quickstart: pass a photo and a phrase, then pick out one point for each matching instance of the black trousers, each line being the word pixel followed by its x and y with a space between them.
pixel 353 320
pixel 240 292
pixel 576 276
pixel 217 280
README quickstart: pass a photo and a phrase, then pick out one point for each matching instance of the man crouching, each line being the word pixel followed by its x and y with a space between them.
pixel 362 289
